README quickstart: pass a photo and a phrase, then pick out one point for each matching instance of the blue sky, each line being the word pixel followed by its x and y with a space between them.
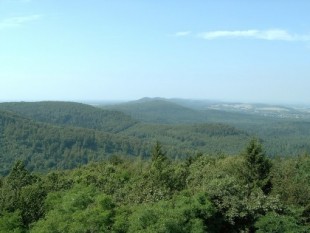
pixel 233 50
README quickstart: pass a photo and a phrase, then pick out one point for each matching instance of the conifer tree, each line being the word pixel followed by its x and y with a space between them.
pixel 256 171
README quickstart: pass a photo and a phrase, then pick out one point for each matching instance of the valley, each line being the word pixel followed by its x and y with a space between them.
pixel 62 135
pixel 72 167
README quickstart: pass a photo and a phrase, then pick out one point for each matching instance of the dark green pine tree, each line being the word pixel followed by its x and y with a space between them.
pixel 19 176
pixel 157 153
pixel 160 166
pixel 257 165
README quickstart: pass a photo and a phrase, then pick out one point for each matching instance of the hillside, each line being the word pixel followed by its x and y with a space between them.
pixel 181 141
pixel 280 135
pixel 175 111
pixel 158 111
pixel 49 135
pixel 71 114
pixel 46 147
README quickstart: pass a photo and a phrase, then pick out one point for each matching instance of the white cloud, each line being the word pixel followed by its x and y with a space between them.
pixel 273 34
pixel 17 21
pixel 184 33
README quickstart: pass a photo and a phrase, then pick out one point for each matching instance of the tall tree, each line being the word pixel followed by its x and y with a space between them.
pixel 257 165
pixel 18 178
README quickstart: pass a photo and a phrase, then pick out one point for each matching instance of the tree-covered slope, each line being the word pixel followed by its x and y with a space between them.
pixel 182 140
pixel 72 114
pixel 281 136
pixel 45 147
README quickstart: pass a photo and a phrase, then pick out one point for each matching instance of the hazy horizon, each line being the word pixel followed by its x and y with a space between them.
pixel 120 101
pixel 231 51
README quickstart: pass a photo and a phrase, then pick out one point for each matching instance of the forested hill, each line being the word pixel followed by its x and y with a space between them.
pixel 166 111
pixel 50 135
pixel 44 146
pixel 281 136
pixel 72 114
pixel 159 111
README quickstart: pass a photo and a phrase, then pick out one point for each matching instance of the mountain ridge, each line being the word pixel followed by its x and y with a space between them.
pixel 72 114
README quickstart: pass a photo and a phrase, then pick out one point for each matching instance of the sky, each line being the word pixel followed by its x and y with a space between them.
pixel 229 50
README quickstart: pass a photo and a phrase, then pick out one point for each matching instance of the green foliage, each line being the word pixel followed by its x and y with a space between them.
pixel 82 209
pixel 291 179
pixel 183 213
pixel 31 203
pixel 256 172
pixel 160 170
pixel 19 176
pixel 17 180
pixel 11 223
pixel 157 154
pixel 24 194
pixel 275 223
pixel 238 209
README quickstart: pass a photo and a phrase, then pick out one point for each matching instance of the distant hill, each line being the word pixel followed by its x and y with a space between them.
pixel 280 135
pixel 173 111
pixel 194 103
pixel 258 109
pixel 45 147
pixel 183 111
pixel 160 111
pixel 71 114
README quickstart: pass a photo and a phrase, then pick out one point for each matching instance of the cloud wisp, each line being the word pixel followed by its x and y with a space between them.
pixel 14 22
pixel 271 35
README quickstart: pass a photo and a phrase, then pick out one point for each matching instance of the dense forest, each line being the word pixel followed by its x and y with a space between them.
pixel 181 129
pixel 71 114
pixel 44 147
pixel 245 193
pixel 151 166
pixel 284 136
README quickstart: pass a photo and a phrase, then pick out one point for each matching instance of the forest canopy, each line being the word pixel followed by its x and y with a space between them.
pixel 245 193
